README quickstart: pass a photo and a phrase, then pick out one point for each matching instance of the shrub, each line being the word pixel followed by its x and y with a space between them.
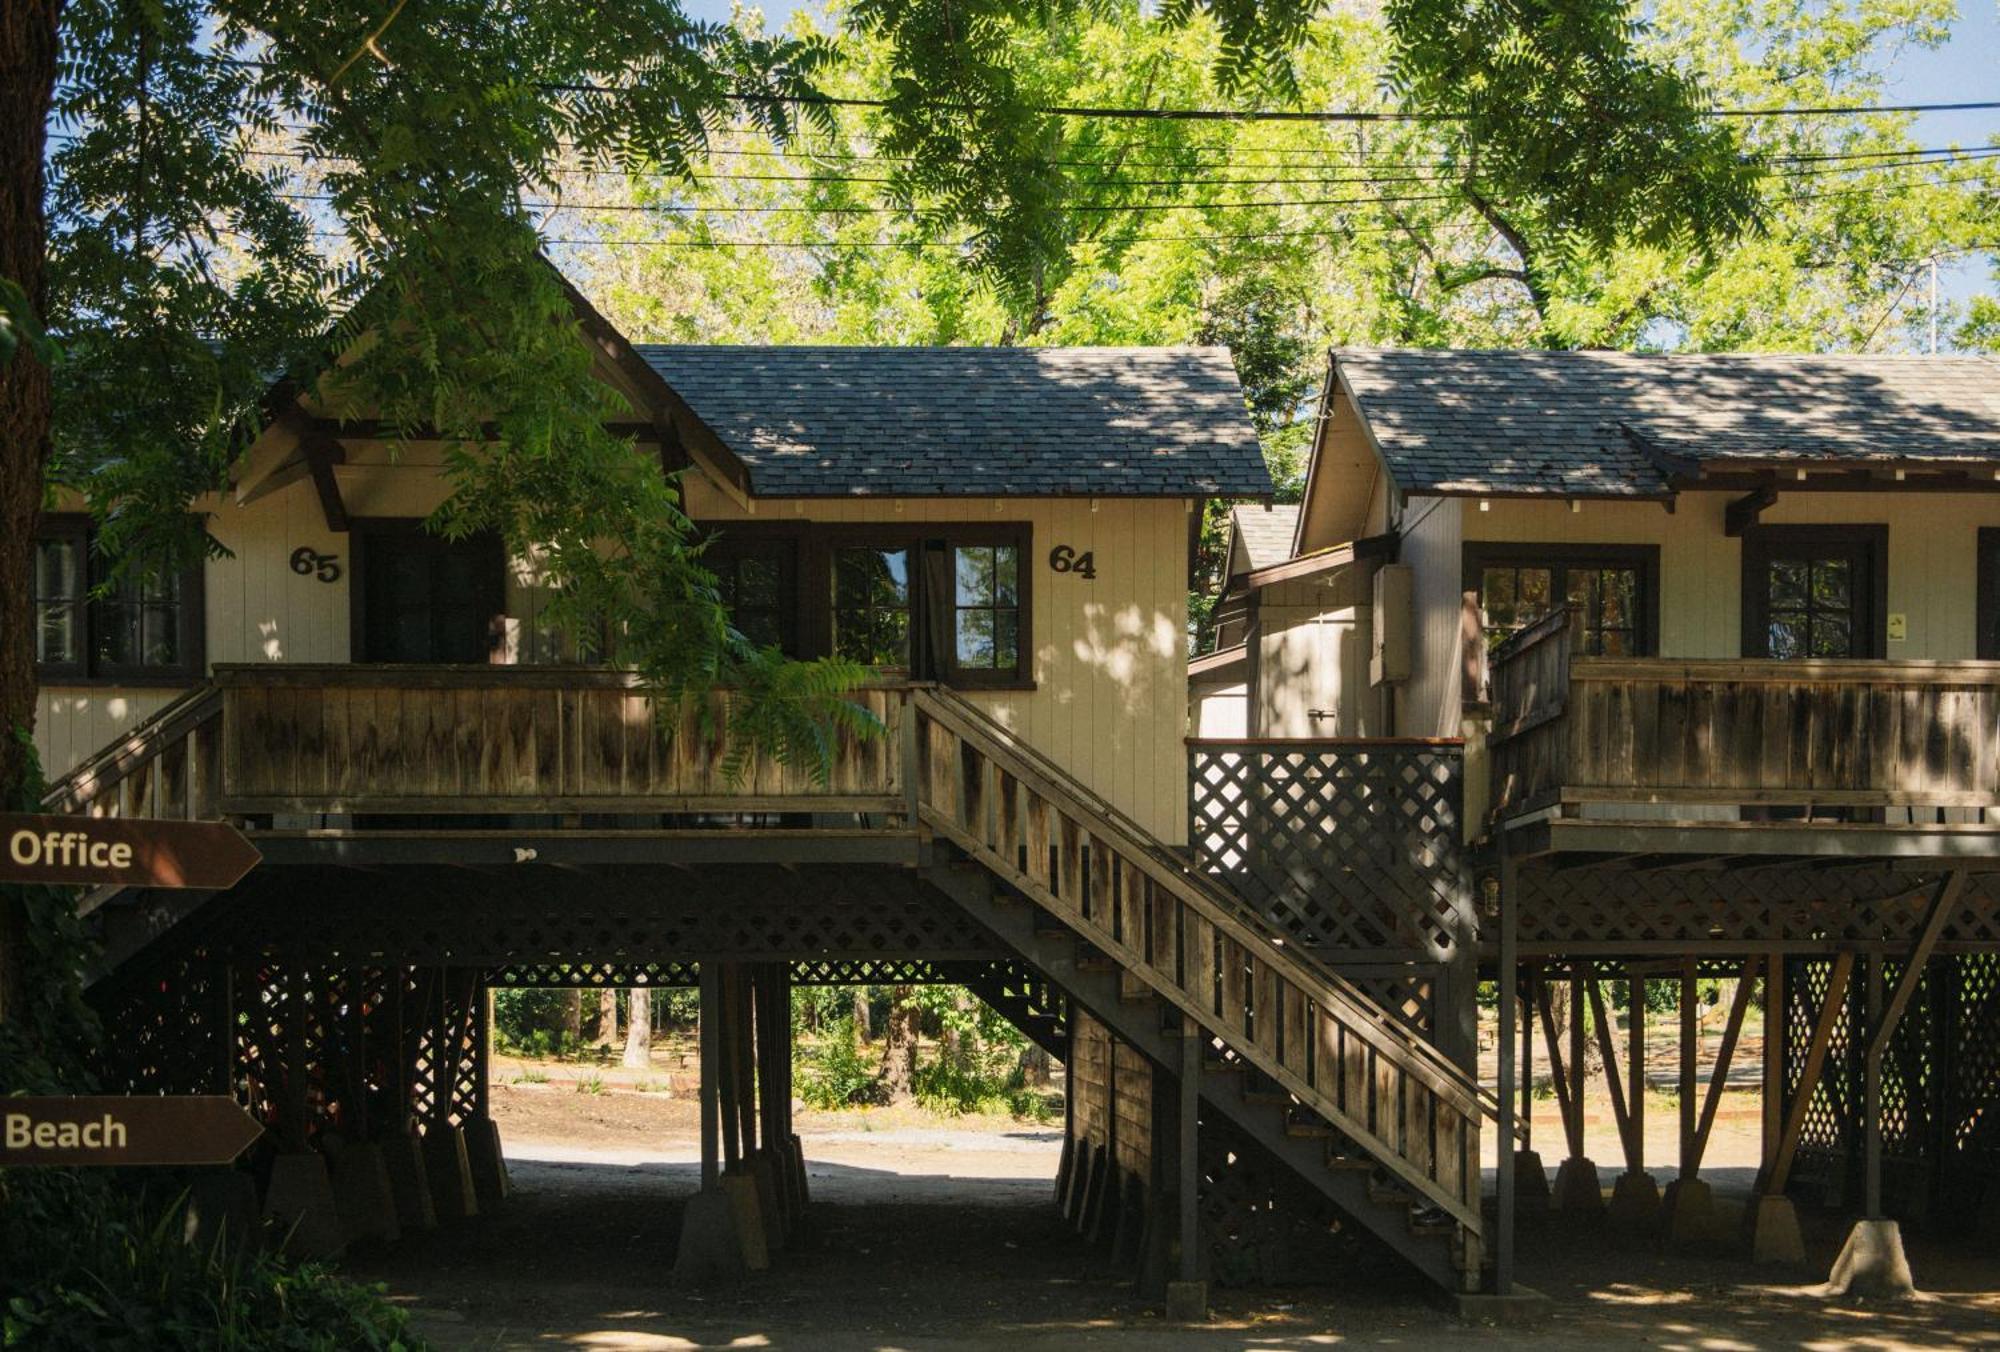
pixel 832 1072
pixel 94 1264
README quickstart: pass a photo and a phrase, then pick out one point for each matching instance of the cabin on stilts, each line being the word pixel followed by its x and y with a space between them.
pixel 1711 645
pixel 449 802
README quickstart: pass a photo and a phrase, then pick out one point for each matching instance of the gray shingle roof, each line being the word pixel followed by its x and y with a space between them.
pixel 1611 424
pixel 975 421
pixel 1267 531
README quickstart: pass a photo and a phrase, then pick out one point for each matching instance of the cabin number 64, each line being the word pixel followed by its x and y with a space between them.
pixel 1063 559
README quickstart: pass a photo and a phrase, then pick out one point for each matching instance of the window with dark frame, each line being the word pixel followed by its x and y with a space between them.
pixel 986 607
pixel 871 606
pixel 1610 589
pixel 939 601
pixel 1815 591
pixel 1987 641
pixel 92 626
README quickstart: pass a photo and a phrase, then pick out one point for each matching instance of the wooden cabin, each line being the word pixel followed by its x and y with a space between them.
pixel 1718 637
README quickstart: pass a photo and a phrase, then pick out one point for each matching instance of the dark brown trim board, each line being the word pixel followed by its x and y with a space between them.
pixel 1867 545
pixel 1986 644
pixel 1480 554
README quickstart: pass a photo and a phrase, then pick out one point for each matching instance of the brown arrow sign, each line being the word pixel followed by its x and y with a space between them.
pixel 193 1129
pixel 122 851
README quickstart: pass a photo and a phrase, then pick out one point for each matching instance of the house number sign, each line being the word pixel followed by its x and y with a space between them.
pixel 1063 559
pixel 309 562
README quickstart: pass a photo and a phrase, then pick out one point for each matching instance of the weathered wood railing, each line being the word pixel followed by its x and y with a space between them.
pixel 1571 730
pixel 168 766
pixel 1415 1112
pixel 499 739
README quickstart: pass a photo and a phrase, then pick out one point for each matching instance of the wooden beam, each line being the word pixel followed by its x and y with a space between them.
pixel 1740 515
pixel 1557 1076
pixel 1809 1074
pixel 1942 905
pixel 322 453
pixel 1690 1046
pixel 1635 1068
pixel 1606 1047
pixel 1720 1075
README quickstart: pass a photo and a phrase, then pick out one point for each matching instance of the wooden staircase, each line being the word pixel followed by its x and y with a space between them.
pixel 1297 1057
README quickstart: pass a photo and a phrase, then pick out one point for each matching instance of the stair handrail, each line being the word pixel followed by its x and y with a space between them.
pixel 134 750
pixel 1448 1078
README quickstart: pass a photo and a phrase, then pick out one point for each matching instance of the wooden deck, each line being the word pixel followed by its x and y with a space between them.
pixel 1717 746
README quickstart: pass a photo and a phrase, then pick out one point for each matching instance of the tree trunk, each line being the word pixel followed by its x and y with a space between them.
pixel 862 1028
pixel 607 1017
pixel 27 82
pixel 899 1046
pixel 572 1024
pixel 639 1029
pixel 1034 1067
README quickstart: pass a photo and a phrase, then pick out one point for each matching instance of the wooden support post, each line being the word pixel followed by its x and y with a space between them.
pixel 1690 1050
pixel 1635 1069
pixel 1530 986
pixel 1777 1032
pixel 1871 1095
pixel 1188 1085
pixel 710 1027
pixel 1577 1141
pixel 745 1047
pixel 1503 1253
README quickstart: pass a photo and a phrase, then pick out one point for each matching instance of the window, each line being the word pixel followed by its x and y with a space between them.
pixel 987 610
pixel 91 626
pixel 937 601
pixel 871 606
pixel 423 598
pixel 1611 587
pixel 1814 591
pixel 757 585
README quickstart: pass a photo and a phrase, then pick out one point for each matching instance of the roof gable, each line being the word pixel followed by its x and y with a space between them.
pixel 1613 424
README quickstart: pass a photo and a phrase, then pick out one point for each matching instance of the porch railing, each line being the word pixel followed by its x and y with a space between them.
pixel 1919 737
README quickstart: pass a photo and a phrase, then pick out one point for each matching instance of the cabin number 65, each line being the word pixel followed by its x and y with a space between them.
pixel 1063 559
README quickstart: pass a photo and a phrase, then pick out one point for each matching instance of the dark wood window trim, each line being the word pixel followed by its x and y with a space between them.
pixel 366 534
pixel 813 543
pixel 1645 559
pixel 1761 542
pixel 87 670
pixel 1986 644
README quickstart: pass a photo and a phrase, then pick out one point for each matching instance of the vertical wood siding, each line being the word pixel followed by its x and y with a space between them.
pixel 1110 703
pixel 1313 640
pixel 1428 703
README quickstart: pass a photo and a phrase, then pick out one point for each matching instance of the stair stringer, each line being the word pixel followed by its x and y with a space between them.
pixel 1053 952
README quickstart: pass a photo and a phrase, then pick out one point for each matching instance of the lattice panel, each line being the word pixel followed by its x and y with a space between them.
pixel 1667 909
pixel 1261 1227
pixel 596 975
pixel 1350 850
pixel 1940 1080
pixel 1409 993
pixel 167 1023
pixel 542 918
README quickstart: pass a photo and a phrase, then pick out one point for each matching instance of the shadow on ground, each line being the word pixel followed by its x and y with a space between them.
pixel 581 1257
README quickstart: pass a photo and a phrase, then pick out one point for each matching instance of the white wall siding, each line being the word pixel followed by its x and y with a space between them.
pixel 1428 704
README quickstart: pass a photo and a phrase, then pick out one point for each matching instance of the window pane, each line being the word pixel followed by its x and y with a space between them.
pixel 1620 590
pixel 757 583
pixel 761 628
pixel 1535 594
pixel 1788 635
pixel 977 576
pixel 1830 636
pixel 975 639
pixel 56 572
pixel 1006 575
pixel 1582 592
pixel 113 633
pixel 1497 586
pixel 1788 582
pixel 1007 640
pixel 871 618
pixel 159 634
pixel 55 633
pixel 1832 583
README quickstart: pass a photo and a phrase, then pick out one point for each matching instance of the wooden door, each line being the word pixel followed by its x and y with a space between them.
pixel 423 598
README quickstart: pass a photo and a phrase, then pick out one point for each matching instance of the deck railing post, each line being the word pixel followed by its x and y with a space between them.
pixel 1508 1085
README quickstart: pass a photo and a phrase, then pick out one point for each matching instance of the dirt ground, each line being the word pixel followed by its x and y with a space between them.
pixel 941 1234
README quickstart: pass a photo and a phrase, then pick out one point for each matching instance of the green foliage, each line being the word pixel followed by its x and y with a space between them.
pixel 88 1264
pixel 833 1072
